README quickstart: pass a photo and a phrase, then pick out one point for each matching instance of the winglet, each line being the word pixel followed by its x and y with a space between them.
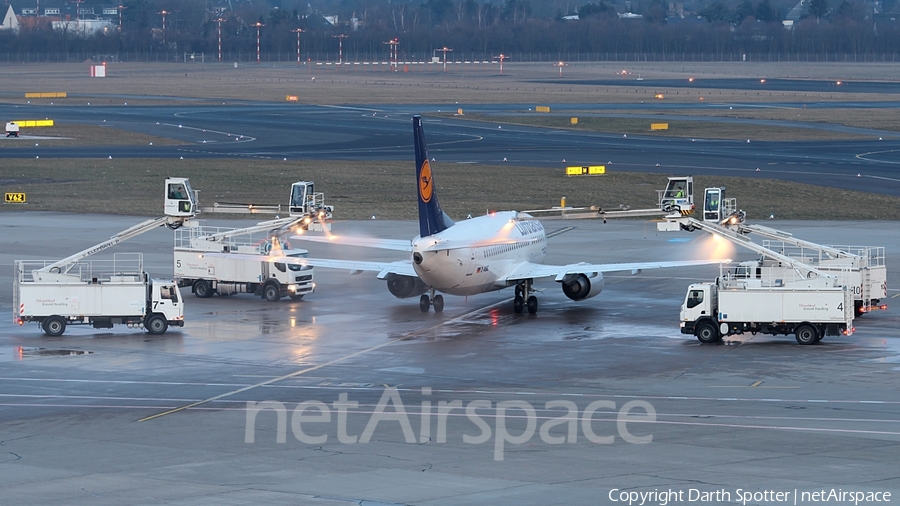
pixel 432 219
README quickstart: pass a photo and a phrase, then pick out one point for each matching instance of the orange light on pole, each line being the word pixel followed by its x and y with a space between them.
pixel 298 31
pixel 258 25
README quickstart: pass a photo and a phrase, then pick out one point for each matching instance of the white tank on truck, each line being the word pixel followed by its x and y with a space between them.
pixel 810 309
pixel 99 293
pixel 231 271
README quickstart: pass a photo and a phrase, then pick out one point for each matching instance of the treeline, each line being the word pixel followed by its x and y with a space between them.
pixel 471 27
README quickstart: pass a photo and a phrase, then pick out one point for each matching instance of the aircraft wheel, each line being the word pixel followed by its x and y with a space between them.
pixel 532 305
pixel 424 303
pixel 438 303
pixel 518 304
pixel 54 326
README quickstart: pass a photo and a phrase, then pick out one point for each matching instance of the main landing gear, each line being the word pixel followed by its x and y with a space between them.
pixel 430 299
pixel 524 298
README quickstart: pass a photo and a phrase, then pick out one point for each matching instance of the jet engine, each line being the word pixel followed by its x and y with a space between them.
pixel 403 287
pixel 582 286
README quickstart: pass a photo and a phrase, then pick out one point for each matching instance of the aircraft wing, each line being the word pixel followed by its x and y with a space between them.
pixel 366 242
pixel 530 270
pixel 400 267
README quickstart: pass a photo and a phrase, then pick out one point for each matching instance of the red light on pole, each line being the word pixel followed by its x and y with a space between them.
pixel 164 13
pixel 501 58
pixel 219 22
pixel 394 59
pixel 445 50
pixel 298 31
pixel 560 65
pixel 340 39
pixel 258 25
pixel 121 8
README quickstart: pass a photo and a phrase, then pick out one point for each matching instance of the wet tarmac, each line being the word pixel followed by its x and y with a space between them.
pixel 501 408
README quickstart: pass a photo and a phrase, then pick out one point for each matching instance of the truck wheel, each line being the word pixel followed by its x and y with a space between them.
pixel 54 326
pixel 156 324
pixel 806 334
pixel 707 333
pixel 271 292
pixel 202 289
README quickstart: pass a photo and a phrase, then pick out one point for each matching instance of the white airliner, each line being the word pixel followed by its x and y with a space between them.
pixel 473 256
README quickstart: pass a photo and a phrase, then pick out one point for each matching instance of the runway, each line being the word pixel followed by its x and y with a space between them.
pixel 352 396
pixel 382 133
pixel 119 416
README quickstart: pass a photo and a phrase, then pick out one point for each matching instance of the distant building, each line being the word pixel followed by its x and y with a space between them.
pixel 10 21
pixel 84 27
pixel 794 15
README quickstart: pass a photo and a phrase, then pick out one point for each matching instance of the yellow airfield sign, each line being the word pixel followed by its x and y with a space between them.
pixel 586 170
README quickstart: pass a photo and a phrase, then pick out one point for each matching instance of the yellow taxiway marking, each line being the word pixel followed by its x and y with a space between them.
pixel 320 366
pixel 756 384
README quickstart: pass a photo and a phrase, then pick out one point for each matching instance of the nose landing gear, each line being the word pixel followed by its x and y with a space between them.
pixel 524 298
pixel 430 299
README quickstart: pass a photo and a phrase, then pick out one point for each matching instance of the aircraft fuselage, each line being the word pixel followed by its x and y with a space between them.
pixel 492 247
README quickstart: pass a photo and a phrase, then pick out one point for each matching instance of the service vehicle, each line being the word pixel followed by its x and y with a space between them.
pixel 733 304
pixel 860 268
pixel 99 293
pixel 102 293
pixel 242 261
pixel 12 129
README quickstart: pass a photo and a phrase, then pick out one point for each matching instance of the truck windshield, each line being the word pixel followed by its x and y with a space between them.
pixel 676 191
pixel 712 201
pixel 297 194
pixel 177 191
pixel 167 292
pixel 695 297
